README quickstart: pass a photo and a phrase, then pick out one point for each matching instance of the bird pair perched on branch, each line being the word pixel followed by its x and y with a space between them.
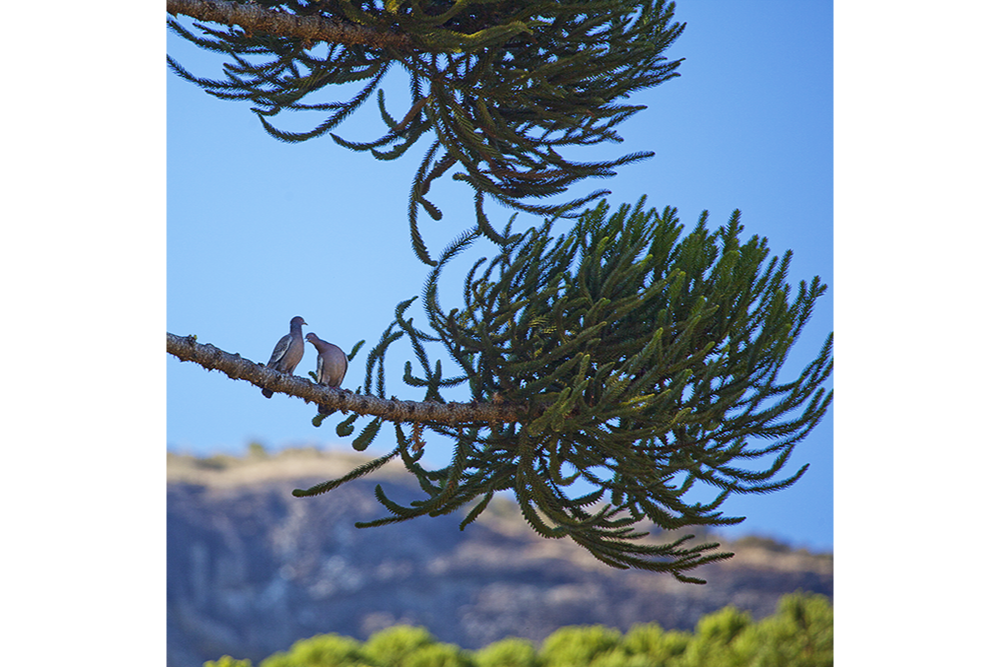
pixel 331 362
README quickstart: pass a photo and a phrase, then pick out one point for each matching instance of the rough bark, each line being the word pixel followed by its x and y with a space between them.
pixel 186 348
pixel 253 18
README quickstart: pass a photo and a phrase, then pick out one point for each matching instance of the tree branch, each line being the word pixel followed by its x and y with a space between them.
pixel 253 17
pixel 186 348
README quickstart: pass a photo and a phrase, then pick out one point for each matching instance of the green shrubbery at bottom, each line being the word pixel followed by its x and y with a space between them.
pixel 799 634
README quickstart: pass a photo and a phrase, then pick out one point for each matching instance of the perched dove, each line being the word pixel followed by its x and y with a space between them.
pixel 288 352
pixel 331 364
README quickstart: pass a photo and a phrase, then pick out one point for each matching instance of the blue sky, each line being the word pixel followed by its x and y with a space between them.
pixel 259 231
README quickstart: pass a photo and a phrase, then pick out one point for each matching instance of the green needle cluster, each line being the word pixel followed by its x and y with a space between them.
pixel 644 362
pixel 505 87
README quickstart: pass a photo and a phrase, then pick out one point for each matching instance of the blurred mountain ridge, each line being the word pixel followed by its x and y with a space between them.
pixel 251 569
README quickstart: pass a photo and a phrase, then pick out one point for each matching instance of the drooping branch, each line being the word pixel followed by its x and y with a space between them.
pixel 186 348
pixel 633 364
pixel 254 18
pixel 504 88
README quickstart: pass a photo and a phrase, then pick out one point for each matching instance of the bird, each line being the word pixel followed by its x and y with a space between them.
pixel 331 364
pixel 288 352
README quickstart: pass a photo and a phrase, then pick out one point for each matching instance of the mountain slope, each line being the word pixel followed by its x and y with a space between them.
pixel 250 568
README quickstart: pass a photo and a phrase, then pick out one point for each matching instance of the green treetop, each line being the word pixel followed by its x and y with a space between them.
pixel 606 372
pixel 642 362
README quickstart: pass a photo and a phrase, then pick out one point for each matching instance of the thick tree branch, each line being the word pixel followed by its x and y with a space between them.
pixel 252 18
pixel 186 348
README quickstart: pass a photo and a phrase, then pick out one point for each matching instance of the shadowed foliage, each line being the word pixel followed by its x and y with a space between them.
pixel 646 362
pixel 505 87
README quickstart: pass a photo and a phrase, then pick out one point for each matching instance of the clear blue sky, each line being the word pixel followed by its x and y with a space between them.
pixel 259 231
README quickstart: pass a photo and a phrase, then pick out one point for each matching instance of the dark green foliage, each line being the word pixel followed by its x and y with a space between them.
pixel 645 363
pixel 800 634
pixel 505 86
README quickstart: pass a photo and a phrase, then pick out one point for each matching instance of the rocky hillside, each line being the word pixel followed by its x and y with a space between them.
pixel 251 569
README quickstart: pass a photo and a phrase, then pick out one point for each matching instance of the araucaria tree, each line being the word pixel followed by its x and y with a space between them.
pixel 609 369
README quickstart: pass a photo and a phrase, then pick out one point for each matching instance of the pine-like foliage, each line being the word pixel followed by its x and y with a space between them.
pixel 645 362
pixel 505 86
